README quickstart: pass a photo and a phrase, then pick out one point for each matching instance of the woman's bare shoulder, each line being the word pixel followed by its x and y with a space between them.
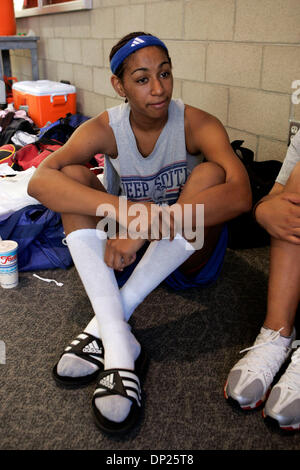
pixel 197 116
pixel 97 131
pixel 196 123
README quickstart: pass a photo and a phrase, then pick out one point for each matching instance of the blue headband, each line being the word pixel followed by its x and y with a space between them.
pixel 131 46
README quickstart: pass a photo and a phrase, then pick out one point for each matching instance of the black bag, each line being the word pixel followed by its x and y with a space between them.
pixel 63 128
pixel 244 231
pixel 10 126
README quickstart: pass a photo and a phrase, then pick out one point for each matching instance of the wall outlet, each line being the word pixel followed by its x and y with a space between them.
pixel 294 128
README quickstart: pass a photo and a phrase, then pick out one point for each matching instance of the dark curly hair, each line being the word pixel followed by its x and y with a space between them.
pixel 120 70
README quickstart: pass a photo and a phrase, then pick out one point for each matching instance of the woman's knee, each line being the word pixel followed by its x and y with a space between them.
pixel 82 175
pixel 210 173
pixel 293 183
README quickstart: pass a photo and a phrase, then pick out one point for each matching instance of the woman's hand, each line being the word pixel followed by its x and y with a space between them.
pixel 120 253
pixel 280 216
pixel 150 221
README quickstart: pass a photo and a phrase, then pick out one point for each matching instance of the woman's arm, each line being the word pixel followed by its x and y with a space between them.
pixel 62 194
pixel 279 211
pixel 279 214
pixel 205 133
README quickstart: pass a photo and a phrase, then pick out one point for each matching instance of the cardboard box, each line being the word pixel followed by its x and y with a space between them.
pixel 46 100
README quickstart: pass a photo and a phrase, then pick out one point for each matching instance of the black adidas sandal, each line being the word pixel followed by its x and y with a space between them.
pixel 89 348
pixel 122 382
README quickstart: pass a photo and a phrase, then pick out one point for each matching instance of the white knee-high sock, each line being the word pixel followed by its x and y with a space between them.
pixel 160 259
pixel 87 250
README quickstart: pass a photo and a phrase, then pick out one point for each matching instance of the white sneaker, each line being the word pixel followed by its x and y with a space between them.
pixel 283 404
pixel 249 380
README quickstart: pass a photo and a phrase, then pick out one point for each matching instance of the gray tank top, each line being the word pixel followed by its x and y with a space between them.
pixel 158 177
pixel 291 159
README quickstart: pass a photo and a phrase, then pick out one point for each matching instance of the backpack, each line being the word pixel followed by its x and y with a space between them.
pixel 33 154
pixel 244 231
pixel 29 155
pixel 63 128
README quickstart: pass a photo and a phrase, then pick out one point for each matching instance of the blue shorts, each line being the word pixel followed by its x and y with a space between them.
pixel 177 280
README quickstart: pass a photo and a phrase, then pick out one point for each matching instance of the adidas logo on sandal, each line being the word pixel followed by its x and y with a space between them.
pixel 136 42
pixel 108 381
pixel 92 348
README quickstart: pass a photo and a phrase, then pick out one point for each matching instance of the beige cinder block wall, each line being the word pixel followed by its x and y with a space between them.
pixel 233 58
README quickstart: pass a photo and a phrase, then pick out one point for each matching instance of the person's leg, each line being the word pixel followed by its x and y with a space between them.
pixel 167 255
pixel 159 260
pixel 283 299
pixel 249 380
pixel 202 177
pixel 87 249
pixel 86 177
pixel 284 278
pixel 283 287
pixel 163 256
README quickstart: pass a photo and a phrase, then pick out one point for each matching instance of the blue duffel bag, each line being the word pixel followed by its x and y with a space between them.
pixel 39 234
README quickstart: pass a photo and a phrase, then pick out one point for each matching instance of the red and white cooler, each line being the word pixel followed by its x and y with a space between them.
pixel 46 100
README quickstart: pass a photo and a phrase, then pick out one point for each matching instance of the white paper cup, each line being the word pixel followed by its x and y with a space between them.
pixel 9 275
